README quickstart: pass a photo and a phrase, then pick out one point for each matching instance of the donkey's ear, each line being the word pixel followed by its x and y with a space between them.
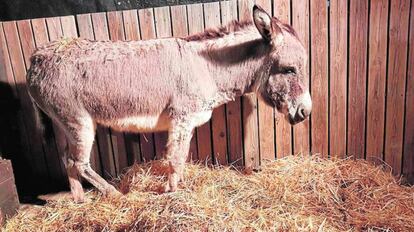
pixel 266 26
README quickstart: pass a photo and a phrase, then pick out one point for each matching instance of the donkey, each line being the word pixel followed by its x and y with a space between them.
pixel 168 84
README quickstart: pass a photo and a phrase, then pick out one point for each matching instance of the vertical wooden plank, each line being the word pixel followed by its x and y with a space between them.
pixel 377 73
pixel 218 118
pixel 56 147
pixel 85 26
pixel 6 70
pixel 116 32
pixel 179 21
pixel 100 29
pixel 250 119
pixel 19 71
pixel 283 128
pixel 266 5
pixel 233 109
pixel 397 64
pixel 266 113
pixel 180 29
pixel 86 31
pixel 116 25
pixel 54 27
pixel 408 158
pixel 338 74
pixel 27 39
pixel 69 26
pixel 162 22
pixel 300 22
pixel 131 28
pixel 319 76
pixel 357 77
pixel 204 131
pixel 163 30
pixel 195 25
pixel 146 23
pixel 228 11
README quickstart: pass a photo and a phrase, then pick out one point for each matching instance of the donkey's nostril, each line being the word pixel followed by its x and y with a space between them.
pixel 302 112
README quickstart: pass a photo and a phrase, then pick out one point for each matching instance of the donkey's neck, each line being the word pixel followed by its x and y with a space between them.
pixel 237 62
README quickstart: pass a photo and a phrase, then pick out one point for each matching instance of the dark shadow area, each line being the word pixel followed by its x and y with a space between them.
pixel 28 9
pixel 15 146
pixel 12 146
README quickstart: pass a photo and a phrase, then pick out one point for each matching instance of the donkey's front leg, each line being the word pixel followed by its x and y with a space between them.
pixel 179 137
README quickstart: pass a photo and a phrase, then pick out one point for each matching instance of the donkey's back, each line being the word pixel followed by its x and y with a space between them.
pixel 116 83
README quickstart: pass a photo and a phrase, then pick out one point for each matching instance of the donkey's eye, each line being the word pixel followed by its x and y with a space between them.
pixel 289 70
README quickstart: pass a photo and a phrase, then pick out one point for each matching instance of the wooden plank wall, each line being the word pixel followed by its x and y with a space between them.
pixel 360 70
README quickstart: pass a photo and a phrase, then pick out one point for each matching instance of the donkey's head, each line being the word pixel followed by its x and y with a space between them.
pixel 284 85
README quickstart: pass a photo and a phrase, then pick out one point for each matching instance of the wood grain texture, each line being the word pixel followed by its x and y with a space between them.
pixel 233 109
pixel 218 119
pixel 131 26
pixel 147 29
pixel 266 113
pixel 397 68
pixel 9 202
pixel 357 71
pixel 204 143
pixel 100 29
pixel 300 22
pixel 338 74
pixel 408 158
pixel 84 25
pixel 69 26
pixel 54 28
pixel 283 128
pixel 319 76
pixel 377 73
pixel 249 107
pixel 116 32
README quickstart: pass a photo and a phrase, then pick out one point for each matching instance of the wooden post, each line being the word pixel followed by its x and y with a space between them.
pixel 9 202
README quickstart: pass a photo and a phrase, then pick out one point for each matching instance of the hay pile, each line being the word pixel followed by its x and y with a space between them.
pixel 296 193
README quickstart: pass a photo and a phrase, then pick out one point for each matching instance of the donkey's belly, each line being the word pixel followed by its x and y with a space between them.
pixel 139 123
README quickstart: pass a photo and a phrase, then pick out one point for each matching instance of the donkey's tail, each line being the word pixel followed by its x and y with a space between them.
pixel 42 123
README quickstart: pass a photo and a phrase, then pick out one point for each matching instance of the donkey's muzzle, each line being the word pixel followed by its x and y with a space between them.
pixel 303 109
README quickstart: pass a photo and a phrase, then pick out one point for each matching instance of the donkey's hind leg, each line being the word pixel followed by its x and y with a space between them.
pixel 80 147
pixel 74 177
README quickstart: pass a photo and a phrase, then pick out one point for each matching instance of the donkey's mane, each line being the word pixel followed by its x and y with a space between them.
pixel 219 32
pixel 233 26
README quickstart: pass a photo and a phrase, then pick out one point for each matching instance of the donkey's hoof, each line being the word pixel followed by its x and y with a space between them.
pixel 79 200
pixel 169 189
pixel 113 193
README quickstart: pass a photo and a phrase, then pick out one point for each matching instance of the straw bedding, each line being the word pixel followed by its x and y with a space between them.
pixel 297 193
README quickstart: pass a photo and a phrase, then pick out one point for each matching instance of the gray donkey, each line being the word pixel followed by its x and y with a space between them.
pixel 168 84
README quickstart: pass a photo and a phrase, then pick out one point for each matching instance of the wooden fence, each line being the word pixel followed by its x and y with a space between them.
pixel 361 77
